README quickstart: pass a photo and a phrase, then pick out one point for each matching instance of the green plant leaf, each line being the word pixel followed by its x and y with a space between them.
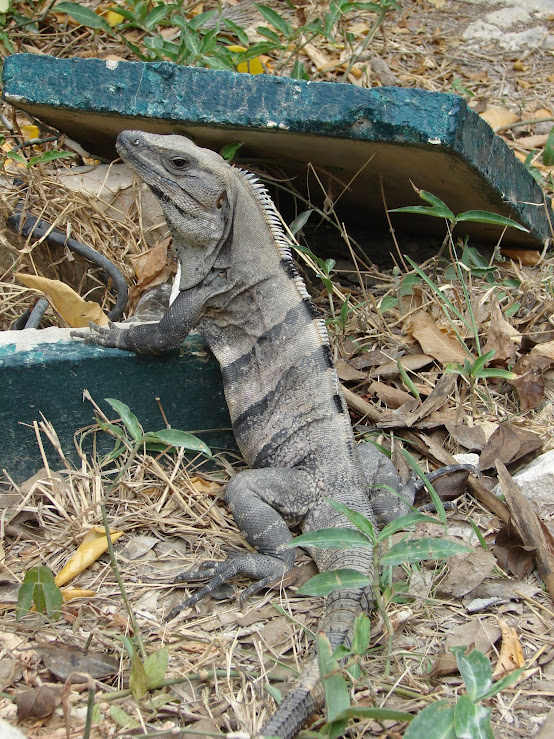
pixel 39 587
pixel 201 19
pixel 403 523
pixel 361 631
pixel 229 150
pixel 476 671
pixel 49 156
pixel 480 362
pixel 328 582
pixel 300 221
pixel 416 550
pixel 275 20
pixel 435 211
pixel 137 677
pixel 471 720
pixel 548 153
pixel 331 538
pixel 434 722
pixel 484 216
pixel 128 418
pixel 335 687
pixel 359 520
pixel 176 438
pixel 239 31
pixel 123 719
pixel 503 683
pixel 379 714
pixel 155 667
pixel 85 16
pixel 155 16
pixel 500 374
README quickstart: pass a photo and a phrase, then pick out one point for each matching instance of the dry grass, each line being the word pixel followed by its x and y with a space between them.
pixel 171 510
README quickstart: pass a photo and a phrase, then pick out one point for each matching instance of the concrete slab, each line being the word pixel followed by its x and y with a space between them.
pixel 434 139
pixel 44 372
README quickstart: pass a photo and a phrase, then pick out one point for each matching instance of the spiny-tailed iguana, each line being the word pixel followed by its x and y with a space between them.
pixel 240 288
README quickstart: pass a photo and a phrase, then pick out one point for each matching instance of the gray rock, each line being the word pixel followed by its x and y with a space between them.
pixel 536 482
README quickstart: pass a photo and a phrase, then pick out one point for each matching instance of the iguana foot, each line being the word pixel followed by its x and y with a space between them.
pixel 264 568
pixel 109 335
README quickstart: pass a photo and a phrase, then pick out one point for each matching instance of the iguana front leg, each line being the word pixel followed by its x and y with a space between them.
pixel 151 338
pixel 260 501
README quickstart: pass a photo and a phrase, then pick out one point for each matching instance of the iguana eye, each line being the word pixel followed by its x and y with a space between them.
pixel 221 200
pixel 179 162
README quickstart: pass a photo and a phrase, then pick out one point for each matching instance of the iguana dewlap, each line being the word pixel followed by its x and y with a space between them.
pixel 239 287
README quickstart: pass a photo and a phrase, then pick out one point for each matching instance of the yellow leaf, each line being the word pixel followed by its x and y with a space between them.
pixel 93 546
pixel 438 3
pixel 114 18
pixel 71 307
pixel 252 66
pixel 30 132
pixel 4 5
pixel 71 593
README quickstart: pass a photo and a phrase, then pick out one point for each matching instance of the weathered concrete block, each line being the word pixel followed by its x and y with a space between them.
pixel 398 134
pixel 45 372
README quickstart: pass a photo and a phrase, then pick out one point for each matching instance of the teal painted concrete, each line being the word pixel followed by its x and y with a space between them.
pixel 434 139
pixel 49 379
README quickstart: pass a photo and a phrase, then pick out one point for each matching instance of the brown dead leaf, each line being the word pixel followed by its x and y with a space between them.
pixel 369 359
pixel 511 653
pixel 72 308
pixel 543 350
pixel 496 116
pixel 347 373
pixel 390 396
pixel 527 257
pixel 473 634
pixel 465 572
pixel 501 337
pixel 529 383
pixel 470 437
pixel 508 444
pixel 152 268
pixel 62 660
pixel 513 556
pixel 411 362
pixel 433 340
pixel 38 702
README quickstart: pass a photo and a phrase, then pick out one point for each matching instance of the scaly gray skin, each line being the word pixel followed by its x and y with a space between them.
pixel 240 289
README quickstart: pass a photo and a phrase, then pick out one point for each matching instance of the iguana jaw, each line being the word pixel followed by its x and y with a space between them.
pixel 193 198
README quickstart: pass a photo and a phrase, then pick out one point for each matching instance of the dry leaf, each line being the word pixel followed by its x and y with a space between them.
pixel 496 116
pixel 62 660
pixel 411 362
pixel 433 341
pixel 93 546
pixel 72 308
pixel 470 437
pixel 38 702
pixel 511 654
pixel 501 337
pixel 529 382
pixel 347 373
pixel 508 444
pixel 543 350
pixel 390 396
pixel 466 572
pixel 511 553
pixel 527 257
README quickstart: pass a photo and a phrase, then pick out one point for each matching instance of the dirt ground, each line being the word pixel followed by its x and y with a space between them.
pixel 227 661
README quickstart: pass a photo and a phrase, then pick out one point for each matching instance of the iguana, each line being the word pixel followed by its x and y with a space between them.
pixel 240 288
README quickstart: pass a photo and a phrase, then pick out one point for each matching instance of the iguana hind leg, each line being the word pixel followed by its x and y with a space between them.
pixel 260 501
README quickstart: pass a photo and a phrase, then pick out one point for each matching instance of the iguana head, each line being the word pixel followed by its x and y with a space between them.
pixel 192 185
